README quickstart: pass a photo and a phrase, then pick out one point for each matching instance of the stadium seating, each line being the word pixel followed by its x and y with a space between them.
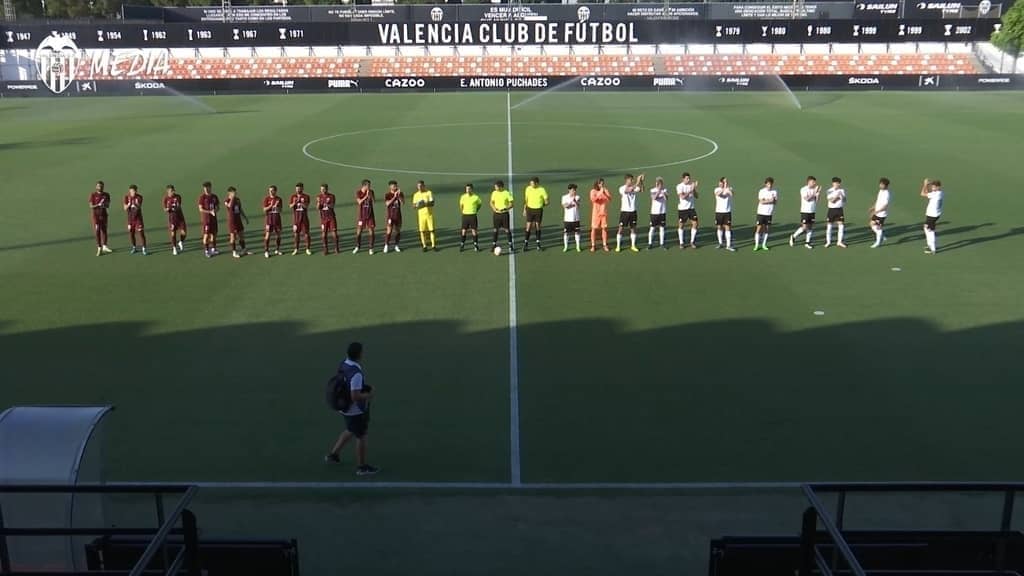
pixel 562 65
pixel 799 64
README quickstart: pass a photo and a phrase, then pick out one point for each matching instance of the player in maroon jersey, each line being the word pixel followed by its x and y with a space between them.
pixel 236 231
pixel 175 219
pixel 272 214
pixel 393 200
pixel 133 207
pixel 99 202
pixel 299 203
pixel 364 215
pixel 209 204
pixel 328 221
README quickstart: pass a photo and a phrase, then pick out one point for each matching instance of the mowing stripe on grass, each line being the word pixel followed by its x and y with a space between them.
pixel 513 340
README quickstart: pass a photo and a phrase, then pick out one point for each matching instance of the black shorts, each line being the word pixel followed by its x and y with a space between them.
pixel 627 219
pixel 501 221
pixel 835 215
pixel 930 222
pixel 723 218
pixel 807 218
pixel 469 222
pixel 358 425
pixel 763 220
pixel 687 215
pixel 571 227
pixel 534 215
pixel 880 220
pixel 657 220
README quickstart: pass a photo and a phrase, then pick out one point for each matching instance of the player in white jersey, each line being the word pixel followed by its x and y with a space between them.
pixel 659 200
pixel 808 209
pixel 686 190
pixel 836 197
pixel 627 212
pixel 767 198
pixel 932 190
pixel 571 217
pixel 723 214
pixel 879 211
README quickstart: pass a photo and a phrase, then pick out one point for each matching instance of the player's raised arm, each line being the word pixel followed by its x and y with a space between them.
pixel 924 188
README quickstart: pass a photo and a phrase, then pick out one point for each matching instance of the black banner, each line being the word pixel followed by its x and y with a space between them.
pixel 522 83
pixel 543 12
pixel 395 33
pixel 782 11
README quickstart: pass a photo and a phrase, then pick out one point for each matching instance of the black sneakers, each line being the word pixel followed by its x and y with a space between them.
pixel 367 470
pixel 332 459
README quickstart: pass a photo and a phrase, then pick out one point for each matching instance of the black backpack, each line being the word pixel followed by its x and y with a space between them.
pixel 339 395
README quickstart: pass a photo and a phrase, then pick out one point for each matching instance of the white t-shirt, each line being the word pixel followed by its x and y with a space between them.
pixel 836 198
pixel 882 203
pixel 685 193
pixel 723 200
pixel 808 200
pixel 766 194
pixel 659 199
pixel 571 206
pixel 934 209
pixel 628 195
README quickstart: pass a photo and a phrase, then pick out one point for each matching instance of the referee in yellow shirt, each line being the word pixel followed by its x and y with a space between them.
pixel 501 205
pixel 469 206
pixel 536 200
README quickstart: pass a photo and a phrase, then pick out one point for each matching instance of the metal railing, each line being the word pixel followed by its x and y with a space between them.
pixel 811 556
pixel 187 556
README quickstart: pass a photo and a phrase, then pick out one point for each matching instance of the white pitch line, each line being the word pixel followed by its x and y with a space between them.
pixel 493 486
pixel 306 147
pixel 513 312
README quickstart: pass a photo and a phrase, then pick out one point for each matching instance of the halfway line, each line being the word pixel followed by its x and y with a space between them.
pixel 513 339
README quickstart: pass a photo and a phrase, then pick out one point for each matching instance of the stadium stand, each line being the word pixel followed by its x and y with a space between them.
pixel 207 66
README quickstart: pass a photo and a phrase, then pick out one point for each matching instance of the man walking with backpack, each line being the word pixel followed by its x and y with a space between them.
pixel 350 395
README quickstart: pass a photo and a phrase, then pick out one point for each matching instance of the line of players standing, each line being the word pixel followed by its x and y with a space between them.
pixel 536 198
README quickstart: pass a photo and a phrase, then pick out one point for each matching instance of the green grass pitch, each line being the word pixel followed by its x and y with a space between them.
pixel 651 367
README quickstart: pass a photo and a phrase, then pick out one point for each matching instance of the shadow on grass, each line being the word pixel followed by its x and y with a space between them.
pixel 725 400
pixel 11 146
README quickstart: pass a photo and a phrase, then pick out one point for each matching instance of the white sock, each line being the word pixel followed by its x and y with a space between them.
pixel 757 238
pixel 680 236
pixel 798 231
pixel 650 236
pixel 929 236
pixel 577 240
pixel 661 235
pixel 728 238
pixel 764 240
pixel 828 233
pixel 808 238
pixel 618 240
pixel 841 227
pixel 565 240
pixel 693 235
pixel 878 235
pixel 632 239
pixel 719 234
